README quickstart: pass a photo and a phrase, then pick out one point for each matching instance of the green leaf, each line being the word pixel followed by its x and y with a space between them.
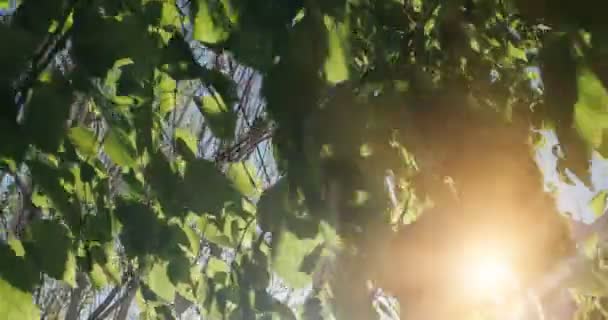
pixel 219 116
pixel 165 183
pixel 98 226
pixel 17 304
pixel 48 178
pixel 205 188
pixel 99 41
pixel 159 283
pixel 591 110
pixel 591 91
pixel 85 140
pixel 255 270
pixel 170 17
pixel 252 47
pixel 289 253
pixel 49 245
pixel 598 203
pixel 179 270
pixel 16 245
pixel 213 234
pixel 309 263
pixel 141 231
pixel 222 84
pixel 166 90
pixel 97 276
pixel 47 114
pixel 216 266
pixel 19 273
pixel 175 241
pixel 178 62
pixel 243 176
pixel 516 53
pixel 194 240
pixel 211 25
pixel 188 139
pixel 336 64
pixel 119 148
pixel 273 206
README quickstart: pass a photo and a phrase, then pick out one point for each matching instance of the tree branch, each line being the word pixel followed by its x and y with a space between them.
pixel 104 305
pixel 55 43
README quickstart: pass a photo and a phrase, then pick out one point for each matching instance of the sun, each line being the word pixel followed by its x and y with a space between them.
pixel 490 274
pixel 488 277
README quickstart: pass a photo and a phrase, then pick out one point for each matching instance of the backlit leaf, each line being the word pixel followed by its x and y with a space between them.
pixel 219 116
pixel 213 234
pixel 210 23
pixel 598 203
pixel 188 139
pixel 84 140
pixel 243 176
pixel 591 113
pixel 17 304
pixel 119 148
pixel 289 253
pixel 159 283
pixel 166 91
pixel 516 53
pixel 336 65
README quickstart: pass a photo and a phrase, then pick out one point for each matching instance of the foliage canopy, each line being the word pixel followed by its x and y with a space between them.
pixel 89 92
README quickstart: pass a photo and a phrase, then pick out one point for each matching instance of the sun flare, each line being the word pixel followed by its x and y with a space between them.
pixel 489 275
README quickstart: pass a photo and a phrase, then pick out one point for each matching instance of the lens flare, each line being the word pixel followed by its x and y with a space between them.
pixel 488 278
pixel 490 275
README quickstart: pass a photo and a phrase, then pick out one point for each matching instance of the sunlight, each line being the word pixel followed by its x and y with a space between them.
pixel 489 278
pixel 490 274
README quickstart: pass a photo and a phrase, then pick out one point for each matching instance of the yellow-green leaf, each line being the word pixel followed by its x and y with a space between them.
pixel 119 148
pixel 591 109
pixel 208 26
pixel 289 252
pixel 97 276
pixel 213 234
pixel 221 119
pixel 516 53
pixel 158 281
pixel 336 65
pixel 166 93
pixel 215 266
pixel 16 304
pixel 188 138
pixel 243 176
pixel 169 15
pixel 598 203
pixel 16 245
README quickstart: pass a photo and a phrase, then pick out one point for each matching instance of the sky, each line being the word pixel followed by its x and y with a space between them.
pixel 572 198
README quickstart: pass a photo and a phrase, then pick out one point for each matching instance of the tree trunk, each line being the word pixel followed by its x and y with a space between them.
pixel 76 297
pixel 123 312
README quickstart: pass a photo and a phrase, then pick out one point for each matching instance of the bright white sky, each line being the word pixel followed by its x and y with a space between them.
pixel 573 199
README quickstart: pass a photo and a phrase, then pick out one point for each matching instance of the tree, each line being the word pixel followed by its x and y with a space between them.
pixel 131 144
